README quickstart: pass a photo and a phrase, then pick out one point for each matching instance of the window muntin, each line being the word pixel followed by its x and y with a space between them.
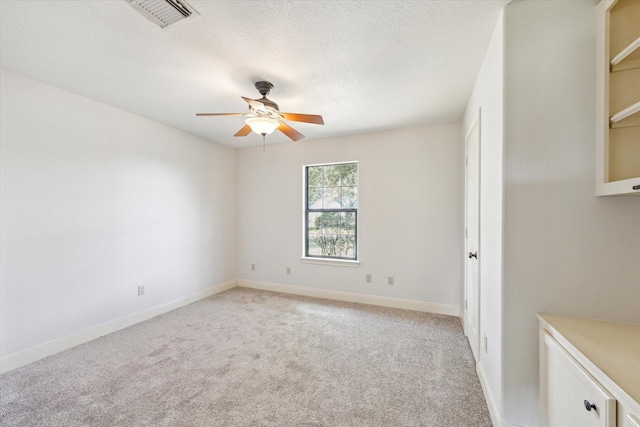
pixel 331 211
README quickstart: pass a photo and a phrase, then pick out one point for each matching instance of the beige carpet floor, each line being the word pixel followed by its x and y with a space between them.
pixel 254 358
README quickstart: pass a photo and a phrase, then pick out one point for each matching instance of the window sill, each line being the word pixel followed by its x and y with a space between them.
pixel 328 261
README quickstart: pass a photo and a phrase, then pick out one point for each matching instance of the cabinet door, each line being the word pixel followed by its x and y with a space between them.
pixel 632 421
pixel 617 97
pixel 572 396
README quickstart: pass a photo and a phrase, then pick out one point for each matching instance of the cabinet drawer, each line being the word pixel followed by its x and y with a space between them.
pixel 573 397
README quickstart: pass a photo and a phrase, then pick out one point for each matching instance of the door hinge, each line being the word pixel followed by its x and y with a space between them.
pixel 465 304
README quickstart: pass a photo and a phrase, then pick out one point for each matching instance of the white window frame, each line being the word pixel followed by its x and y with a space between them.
pixel 322 260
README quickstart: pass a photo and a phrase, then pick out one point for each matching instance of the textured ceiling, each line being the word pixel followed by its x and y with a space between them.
pixel 363 65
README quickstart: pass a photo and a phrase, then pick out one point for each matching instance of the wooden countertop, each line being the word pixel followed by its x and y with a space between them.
pixel 613 347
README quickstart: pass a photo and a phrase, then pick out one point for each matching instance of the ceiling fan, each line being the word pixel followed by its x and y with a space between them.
pixel 264 116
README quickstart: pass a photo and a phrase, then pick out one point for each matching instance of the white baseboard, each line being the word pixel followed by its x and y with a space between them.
pixel 32 354
pixel 491 402
pixel 424 306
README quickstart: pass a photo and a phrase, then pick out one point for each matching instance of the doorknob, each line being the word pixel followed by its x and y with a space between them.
pixel 589 406
pixel 473 254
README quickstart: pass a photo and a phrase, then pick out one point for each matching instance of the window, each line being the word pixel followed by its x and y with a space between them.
pixel 331 211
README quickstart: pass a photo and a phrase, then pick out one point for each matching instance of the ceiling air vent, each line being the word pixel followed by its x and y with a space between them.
pixel 164 12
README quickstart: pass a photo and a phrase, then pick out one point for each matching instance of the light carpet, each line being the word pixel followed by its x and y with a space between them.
pixel 255 358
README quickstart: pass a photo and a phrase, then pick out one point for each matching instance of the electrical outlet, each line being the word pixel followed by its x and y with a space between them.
pixel 253 267
pixel 140 290
pixel 288 270
pixel 367 278
pixel 390 281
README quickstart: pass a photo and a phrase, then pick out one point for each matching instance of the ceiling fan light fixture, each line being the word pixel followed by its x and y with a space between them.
pixel 265 116
pixel 262 125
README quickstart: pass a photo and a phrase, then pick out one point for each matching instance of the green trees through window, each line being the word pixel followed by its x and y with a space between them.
pixel 331 211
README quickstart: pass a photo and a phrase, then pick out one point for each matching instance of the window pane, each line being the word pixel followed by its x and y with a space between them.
pixel 349 247
pixel 348 223
pixel 349 174
pixel 336 245
pixel 314 176
pixel 315 198
pixel 349 197
pixel 330 245
pixel 330 223
pixel 315 223
pixel 331 198
pixel 314 246
pixel 332 175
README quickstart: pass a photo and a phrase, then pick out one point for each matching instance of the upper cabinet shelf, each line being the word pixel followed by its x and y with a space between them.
pixel 618 97
pixel 618 119
pixel 629 54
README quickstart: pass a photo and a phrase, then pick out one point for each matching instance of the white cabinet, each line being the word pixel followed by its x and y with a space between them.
pixel 572 395
pixel 589 373
pixel 618 97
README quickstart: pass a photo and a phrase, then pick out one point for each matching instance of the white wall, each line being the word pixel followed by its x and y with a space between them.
pixel 96 201
pixel 488 97
pixel 410 218
pixel 565 251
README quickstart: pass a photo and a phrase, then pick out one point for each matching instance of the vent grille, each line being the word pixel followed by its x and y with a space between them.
pixel 164 12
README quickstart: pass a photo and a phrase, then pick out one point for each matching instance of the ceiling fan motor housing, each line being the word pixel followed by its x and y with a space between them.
pixel 264 87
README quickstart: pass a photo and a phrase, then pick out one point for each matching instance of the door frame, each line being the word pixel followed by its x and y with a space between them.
pixel 476 123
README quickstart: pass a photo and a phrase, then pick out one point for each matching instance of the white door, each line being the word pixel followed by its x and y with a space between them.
pixel 472 276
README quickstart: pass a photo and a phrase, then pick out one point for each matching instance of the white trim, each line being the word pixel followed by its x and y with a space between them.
pixel 475 125
pixel 325 261
pixel 494 412
pixel 38 352
pixel 331 163
pixel 328 261
pixel 423 306
pixel 633 420
pixel 491 402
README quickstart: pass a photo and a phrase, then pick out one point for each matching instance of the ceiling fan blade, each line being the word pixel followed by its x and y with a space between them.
pixel 220 114
pixel 256 105
pixel 290 132
pixel 246 130
pixel 306 118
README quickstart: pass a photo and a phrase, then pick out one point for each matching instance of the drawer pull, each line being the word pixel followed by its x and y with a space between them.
pixel 589 406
